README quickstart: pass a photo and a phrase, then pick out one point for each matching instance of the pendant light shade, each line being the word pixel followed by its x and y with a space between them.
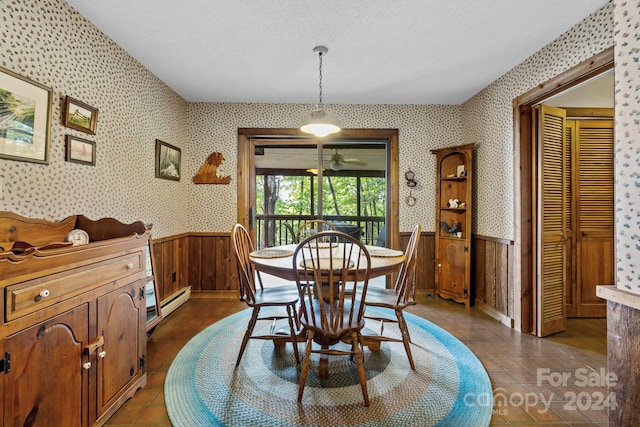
pixel 320 122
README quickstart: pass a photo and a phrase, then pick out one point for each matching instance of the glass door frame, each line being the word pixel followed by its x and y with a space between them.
pixel 246 190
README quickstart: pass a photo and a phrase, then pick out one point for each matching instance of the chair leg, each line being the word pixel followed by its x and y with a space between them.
pixel 294 339
pixel 356 337
pixel 354 344
pixel 305 365
pixel 247 334
pixel 406 338
pixel 296 316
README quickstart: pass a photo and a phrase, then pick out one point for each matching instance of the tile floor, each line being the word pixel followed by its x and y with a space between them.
pixel 550 381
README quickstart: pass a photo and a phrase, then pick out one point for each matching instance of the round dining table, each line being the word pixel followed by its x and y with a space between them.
pixel 278 261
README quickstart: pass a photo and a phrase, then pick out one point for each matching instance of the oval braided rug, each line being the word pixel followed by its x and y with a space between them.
pixel 203 387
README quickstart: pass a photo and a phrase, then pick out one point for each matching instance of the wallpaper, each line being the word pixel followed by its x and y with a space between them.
pixel 421 128
pixel 627 145
pixel 48 42
pixel 487 118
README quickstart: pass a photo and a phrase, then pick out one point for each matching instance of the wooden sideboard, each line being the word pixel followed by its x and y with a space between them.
pixel 73 327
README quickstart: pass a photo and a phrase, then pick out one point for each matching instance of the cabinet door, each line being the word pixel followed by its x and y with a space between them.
pixel 121 322
pixel 452 267
pixel 47 384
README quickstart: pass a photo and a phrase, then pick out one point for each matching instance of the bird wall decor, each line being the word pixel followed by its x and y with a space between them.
pixel 455 227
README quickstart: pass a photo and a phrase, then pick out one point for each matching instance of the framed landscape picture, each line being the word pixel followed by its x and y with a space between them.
pixel 80 116
pixel 167 161
pixel 80 150
pixel 25 118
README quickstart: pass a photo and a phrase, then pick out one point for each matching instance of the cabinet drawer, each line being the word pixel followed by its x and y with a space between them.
pixel 33 295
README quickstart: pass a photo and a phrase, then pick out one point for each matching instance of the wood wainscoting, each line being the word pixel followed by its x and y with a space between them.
pixel 425 270
pixel 205 263
pixel 171 260
pixel 213 264
pixel 492 269
pixel 170 265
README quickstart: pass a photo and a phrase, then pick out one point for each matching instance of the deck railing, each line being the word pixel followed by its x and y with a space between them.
pixel 271 231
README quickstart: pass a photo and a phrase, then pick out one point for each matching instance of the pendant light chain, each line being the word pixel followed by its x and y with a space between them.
pixel 319 121
pixel 320 81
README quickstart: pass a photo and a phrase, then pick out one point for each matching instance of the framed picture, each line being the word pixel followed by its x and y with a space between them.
pixel 80 116
pixel 460 171
pixel 80 150
pixel 167 161
pixel 25 118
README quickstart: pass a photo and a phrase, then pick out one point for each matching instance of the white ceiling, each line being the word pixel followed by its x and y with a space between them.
pixel 595 93
pixel 380 51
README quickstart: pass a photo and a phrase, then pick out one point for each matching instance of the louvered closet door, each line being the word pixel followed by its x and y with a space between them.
pixel 594 201
pixel 551 221
pixel 571 298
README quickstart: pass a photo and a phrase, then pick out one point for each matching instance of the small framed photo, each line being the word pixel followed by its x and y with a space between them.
pixel 25 117
pixel 80 116
pixel 167 161
pixel 460 171
pixel 80 150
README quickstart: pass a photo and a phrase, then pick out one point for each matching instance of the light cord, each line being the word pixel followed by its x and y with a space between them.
pixel 320 83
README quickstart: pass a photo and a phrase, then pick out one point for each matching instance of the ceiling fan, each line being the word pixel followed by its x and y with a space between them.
pixel 338 161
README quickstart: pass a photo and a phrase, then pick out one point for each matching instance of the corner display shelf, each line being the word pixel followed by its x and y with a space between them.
pixel 454 206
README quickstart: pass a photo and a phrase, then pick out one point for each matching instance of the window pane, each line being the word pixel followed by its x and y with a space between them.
pixel 340 196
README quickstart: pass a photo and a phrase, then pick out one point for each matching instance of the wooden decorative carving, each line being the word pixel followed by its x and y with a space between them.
pixel 208 173
pixel 24 235
pixel 34 232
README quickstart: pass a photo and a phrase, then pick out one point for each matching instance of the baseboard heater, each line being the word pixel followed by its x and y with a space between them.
pixel 174 301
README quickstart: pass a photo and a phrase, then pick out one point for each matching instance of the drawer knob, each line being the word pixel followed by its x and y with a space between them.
pixel 86 365
pixel 130 266
pixel 43 294
pixel 102 354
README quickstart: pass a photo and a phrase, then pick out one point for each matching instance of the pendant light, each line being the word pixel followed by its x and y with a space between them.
pixel 320 122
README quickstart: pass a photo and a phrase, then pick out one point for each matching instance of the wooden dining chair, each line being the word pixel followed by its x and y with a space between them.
pixel 312 226
pixel 262 297
pixel 331 304
pixel 287 234
pixel 397 299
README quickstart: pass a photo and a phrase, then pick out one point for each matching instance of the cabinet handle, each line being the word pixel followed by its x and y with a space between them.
pixel 102 354
pixel 130 266
pixel 86 365
pixel 439 265
pixel 99 342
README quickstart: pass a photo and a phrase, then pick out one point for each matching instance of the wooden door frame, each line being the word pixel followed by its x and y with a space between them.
pixel 246 188
pixel 524 209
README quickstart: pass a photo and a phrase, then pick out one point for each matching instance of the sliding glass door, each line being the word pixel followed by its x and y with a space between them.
pixel 284 177
pixel 344 182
